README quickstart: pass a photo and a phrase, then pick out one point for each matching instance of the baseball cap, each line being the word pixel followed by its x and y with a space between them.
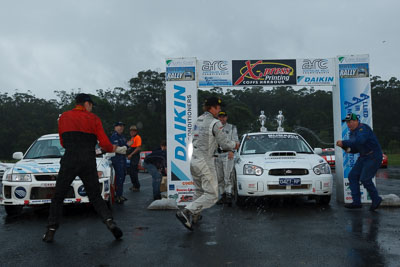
pixel 222 113
pixel 118 123
pixel 133 128
pixel 213 101
pixel 82 98
pixel 350 117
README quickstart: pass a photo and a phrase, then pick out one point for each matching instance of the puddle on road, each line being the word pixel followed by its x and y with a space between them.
pixel 389 173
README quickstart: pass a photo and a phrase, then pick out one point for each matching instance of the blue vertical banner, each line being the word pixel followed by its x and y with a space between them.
pixel 181 112
pixel 355 97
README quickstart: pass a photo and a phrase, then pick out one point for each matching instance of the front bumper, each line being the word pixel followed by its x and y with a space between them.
pixel 266 185
pixel 38 193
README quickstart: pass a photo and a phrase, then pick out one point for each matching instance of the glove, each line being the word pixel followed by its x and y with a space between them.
pixel 121 150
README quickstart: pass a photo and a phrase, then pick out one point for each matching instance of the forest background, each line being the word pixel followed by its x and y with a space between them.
pixel 307 111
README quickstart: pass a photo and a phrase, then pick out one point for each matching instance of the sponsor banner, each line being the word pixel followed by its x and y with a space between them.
pixel 214 73
pixel 264 72
pixel 315 71
pixel 181 112
pixel 355 97
pixel 180 69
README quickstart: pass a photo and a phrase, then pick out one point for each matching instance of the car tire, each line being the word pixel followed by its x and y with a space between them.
pixel 239 200
pixel 13 210
pixel 323 200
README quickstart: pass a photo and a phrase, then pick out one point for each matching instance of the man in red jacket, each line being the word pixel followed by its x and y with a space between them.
pixel 79 130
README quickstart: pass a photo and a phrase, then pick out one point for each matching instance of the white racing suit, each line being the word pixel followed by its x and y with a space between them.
pixel 223 164
pixel 207 132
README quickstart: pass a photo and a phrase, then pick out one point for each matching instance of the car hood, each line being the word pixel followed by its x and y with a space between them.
pixel 42 165
pixel 265 161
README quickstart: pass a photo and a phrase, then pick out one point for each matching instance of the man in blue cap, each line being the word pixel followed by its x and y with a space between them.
pixel 362 140
pixel 119 160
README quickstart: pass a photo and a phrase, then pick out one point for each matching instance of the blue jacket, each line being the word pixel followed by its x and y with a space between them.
pixel 119 140
pixel 363 140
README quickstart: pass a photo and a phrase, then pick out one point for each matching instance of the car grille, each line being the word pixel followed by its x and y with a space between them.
pixel 283 187
pixel 7 191
pixel 48 192
pixel 46 177
pixel 286 172
pixel 282 154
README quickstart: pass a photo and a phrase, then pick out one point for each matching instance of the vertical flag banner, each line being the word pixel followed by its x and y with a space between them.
pixel 181 112
pixel 355 97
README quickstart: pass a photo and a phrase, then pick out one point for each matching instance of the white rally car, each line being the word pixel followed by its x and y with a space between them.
pixel 31 181
pixel 280 164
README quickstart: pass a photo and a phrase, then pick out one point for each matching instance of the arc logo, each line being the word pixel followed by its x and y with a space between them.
pixel 215 65
pixel 314 64
pixel 20 192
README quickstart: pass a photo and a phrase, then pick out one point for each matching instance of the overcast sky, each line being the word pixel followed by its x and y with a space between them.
pixel 64 45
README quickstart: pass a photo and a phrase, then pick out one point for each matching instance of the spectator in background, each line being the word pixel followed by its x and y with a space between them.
pixel 119 161
pixel 134 157
pixel 224 162
pixel 156 164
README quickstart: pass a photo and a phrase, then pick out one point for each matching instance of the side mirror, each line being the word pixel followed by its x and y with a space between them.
pixel 18 155
pixel 318 151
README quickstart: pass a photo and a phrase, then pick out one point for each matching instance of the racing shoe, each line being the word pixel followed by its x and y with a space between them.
pixel 376 205
pixel 114 229
pixel 228 200
pixel 185 217
pixel 196 218
pixel 48 237
pixel 352 206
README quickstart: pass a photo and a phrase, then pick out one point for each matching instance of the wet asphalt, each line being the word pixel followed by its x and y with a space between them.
pixel 266 232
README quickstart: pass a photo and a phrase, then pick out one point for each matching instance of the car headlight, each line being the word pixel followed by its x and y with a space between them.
pixel 19 177
pixel 100 174
pixel 322 169
pixel 249 169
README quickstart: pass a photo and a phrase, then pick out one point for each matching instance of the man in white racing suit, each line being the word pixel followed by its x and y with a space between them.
pixel 207 134
pixel 224 162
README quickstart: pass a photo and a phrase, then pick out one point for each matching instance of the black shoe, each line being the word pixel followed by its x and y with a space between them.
pixel 114 229
pixel 196 218
pixel 123 198
pixel 352 206
pixel 48 237
pixel 118 200
pixel 376 205
pixel 185 217
pixel 222 199
pixel 134 189
pixel 228 200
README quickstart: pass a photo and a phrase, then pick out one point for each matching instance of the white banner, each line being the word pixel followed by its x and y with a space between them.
pixel 214 73
pixel 181 112
pixel 315 71
pixel 354 97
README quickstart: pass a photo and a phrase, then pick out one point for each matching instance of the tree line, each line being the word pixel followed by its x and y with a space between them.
pixel 25 117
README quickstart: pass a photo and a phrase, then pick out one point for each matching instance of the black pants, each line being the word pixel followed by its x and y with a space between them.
pixel 82 164
pixel 134 170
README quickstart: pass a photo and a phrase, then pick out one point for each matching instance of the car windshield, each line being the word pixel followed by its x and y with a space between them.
pixel 328 153
pixel 48 148
pixel 262 143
